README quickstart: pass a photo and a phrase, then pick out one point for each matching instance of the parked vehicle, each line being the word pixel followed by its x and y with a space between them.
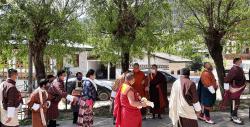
pixel 170 79
pixel 103 88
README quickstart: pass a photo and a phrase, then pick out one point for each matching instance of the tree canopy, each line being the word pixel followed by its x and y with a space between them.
pixel 128 27
pixel 39 24
pixel 217 22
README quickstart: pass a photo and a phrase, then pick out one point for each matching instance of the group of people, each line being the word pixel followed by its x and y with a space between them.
pixel 132 95
pixel 188 103
pixel 134 92
pixel 44 100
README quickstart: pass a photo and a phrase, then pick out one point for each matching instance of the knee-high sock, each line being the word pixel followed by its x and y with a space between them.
pixel 234 107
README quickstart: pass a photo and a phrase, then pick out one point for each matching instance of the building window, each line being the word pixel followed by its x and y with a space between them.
pixel 247 51
pixel 73 60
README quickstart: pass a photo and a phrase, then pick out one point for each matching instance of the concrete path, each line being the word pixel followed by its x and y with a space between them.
pixel 221 118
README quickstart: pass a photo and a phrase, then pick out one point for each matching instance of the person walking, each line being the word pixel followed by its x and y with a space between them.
pixel 236 79
pixel 207 92
pixel 184 106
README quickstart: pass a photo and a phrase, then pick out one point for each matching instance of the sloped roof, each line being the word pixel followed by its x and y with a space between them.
pixel 170 57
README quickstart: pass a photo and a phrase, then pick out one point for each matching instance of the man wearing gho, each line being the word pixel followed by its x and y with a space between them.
pixel 11 99
pixel 236 80
pixel 184 105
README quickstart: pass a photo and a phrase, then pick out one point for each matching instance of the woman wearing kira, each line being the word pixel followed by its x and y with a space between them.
pixel 39 104
pixel 86 102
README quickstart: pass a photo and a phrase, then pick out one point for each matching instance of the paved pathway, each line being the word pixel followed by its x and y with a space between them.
pixel 221 118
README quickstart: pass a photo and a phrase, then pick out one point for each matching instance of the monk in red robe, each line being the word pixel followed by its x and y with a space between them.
pixel 156 92
pixel 139 85
pixel 117 84
pixel 128 104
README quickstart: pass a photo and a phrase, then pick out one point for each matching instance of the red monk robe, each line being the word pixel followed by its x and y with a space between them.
pixel 139 85
pixel 126 115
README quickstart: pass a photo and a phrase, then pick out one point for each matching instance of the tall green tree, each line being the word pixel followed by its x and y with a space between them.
pixel 214 20
pixel 41 23
pixel 128 27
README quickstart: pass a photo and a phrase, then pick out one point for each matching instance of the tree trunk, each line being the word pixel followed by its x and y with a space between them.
pixel 125 61
pixel 218 60
pixel 30 77
pixel 215 50
pixel 38 47
pixel 39 63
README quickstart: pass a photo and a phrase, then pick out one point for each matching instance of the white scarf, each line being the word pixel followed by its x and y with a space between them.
pixel 178 107
pixel 40 91
pixel 94 84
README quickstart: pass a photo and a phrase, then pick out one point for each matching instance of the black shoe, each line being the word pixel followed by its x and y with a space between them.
pixel 52 123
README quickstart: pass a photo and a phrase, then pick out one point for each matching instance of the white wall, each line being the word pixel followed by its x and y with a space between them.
pixel 82 63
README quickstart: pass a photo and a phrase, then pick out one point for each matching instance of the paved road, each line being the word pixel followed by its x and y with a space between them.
pixel 221 118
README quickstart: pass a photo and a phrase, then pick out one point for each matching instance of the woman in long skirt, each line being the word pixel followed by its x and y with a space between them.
pixel 89 93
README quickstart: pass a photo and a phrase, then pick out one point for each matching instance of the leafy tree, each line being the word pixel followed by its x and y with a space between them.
pixel 127 27
pixel 41 23
pixel 215 21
